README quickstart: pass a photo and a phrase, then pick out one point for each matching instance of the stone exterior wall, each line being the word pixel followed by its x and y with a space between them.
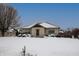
pixel 41 31
pixel 54 30
pixel 24 30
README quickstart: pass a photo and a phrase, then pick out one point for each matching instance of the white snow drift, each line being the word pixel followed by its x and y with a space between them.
pixel 48 46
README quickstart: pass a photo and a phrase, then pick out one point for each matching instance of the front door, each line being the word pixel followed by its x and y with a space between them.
pixel 37 32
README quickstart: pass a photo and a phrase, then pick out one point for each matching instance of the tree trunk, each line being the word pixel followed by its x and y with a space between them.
pixel 3 33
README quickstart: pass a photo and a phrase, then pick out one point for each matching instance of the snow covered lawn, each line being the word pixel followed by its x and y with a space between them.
pixel 48 46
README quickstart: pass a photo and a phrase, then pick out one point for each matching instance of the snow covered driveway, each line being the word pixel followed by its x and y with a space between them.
pixel 48 46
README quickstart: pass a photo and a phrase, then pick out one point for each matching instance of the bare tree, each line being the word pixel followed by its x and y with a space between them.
pixel 8 18
pixel 75 32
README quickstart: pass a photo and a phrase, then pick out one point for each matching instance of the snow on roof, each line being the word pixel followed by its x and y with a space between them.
pixel 31 25
pixel 47 25
pixel 44 24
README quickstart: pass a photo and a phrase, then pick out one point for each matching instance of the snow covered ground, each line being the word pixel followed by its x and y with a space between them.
pixel 48 46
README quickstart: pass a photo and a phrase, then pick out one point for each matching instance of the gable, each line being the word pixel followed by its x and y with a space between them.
pixel 48 25
pixel 37 25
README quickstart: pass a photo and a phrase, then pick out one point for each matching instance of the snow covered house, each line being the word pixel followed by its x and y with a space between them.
pixel 40 29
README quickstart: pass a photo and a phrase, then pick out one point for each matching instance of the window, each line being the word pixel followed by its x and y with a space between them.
pixel 51 31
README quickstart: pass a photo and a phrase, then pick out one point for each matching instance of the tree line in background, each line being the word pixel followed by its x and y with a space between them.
pixel 70 33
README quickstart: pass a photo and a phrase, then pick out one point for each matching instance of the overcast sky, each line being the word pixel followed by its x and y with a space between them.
pixel 64 15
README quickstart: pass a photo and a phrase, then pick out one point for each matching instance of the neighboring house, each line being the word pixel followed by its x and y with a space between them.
pixel 9 33
pixel 40 29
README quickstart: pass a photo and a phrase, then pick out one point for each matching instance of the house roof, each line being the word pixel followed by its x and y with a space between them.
pixel 43 24
pixel 48 25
